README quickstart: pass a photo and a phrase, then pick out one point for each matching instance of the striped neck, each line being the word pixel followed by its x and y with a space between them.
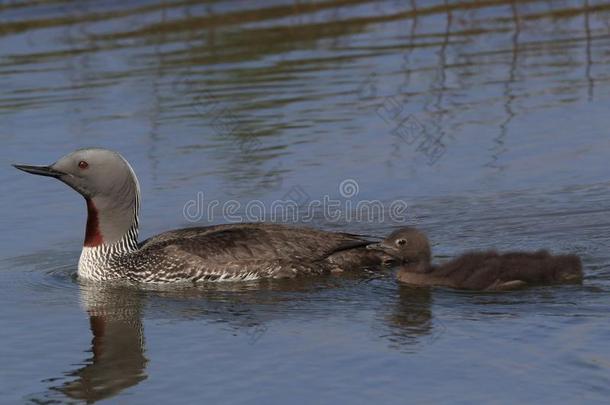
pixel 101 260
pixel 111 231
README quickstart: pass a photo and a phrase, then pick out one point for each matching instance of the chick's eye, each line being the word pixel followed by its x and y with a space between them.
pixel 83 165
pixel 401 242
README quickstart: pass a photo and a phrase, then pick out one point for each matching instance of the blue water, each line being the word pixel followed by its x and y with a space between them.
pixel 488 119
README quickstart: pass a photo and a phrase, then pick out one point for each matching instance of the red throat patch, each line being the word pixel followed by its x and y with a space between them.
pixel 93 236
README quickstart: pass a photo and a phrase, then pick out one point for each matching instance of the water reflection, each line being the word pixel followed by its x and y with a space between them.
pixel 410 322
pixel 279 71
pixel 117 358
pixel 117 347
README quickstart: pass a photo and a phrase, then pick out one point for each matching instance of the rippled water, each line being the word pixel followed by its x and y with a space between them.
pixel 489 118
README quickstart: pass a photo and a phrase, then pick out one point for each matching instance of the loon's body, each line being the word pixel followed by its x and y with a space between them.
pixel 224 252
pixel 230 252
pixel 485 271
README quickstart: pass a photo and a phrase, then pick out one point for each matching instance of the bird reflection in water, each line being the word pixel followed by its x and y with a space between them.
pixel 115 315
pixel 118 360
pixel 410 321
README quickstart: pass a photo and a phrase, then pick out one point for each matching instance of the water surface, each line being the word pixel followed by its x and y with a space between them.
pixel 489 118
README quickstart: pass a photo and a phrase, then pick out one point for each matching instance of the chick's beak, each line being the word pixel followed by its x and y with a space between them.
pixel 379 247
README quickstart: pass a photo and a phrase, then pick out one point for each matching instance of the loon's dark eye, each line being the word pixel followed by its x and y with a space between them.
pixel 401 242
pixel 83 165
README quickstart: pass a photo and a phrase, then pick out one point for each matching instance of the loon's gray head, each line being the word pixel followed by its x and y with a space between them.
pixel 408 245
pixel 109 186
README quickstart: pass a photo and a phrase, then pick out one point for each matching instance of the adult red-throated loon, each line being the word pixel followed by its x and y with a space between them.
pixel 224 252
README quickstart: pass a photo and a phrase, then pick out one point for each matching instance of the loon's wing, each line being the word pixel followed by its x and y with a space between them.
pixel 247 241
pixel 183 233
pixel 265 238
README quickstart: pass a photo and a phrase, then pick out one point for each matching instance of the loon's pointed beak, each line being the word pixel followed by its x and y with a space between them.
pixel 40 170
